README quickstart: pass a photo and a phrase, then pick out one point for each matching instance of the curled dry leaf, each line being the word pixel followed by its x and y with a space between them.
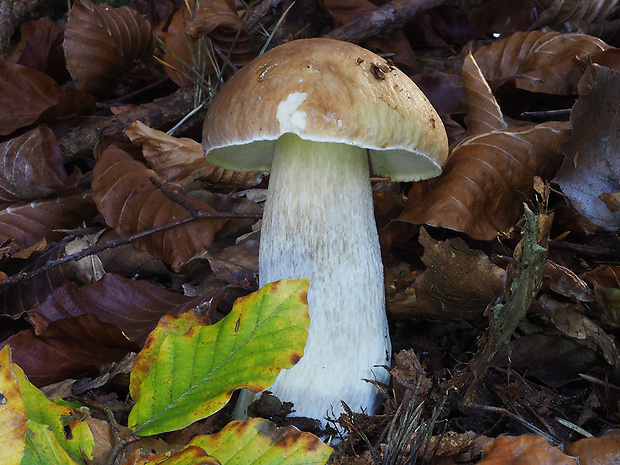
pixel 592 166
pixel 561 11
pixel 526 449
pixel 26 223
pixel 130 203
pixel 569 319
pixel 483 112
pixel 26 94
pixel 102 44
pixel 31 166
pixel 486 180
pixel 463 280
pixel 189 59
pixel 546 62
pixel 182 160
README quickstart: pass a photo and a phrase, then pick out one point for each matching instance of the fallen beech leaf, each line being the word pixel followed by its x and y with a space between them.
pixel 13 418
pixel 130 203
pixel 592 167
pixel 263 442
pixel 133 306
pixel 604 450
pixel 568 318
pixel 102 44
pixel 561 11
pixel 606 284
pixel 26 94
pixel 191 455
pixel 42 48
pixel 463 280
pixel 483 113
pixel 210 362
pixel 547 62
pixel 486 180
pixel 523 450
pixel 182 160
pixel 220 22
pixel 31 166
pixel 67 348
pixel 21 297
pixel 26 223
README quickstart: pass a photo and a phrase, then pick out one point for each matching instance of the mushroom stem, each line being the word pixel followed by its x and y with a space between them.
pixel 319 223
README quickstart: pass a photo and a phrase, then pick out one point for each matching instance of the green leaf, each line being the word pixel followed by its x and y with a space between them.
pixel 258 441
pixel 42 447
pixel 13 419
pixel 195 372
pixel 42 413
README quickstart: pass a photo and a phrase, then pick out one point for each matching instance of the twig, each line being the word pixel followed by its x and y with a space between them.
pixel 94 249
pixel 156 114
pixel 393 15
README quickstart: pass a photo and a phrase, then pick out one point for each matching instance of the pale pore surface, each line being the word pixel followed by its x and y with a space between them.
pixel 319 223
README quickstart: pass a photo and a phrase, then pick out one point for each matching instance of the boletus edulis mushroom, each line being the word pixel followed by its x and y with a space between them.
pixel 322 115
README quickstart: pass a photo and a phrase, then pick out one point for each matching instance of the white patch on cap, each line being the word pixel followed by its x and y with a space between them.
pixel 290 118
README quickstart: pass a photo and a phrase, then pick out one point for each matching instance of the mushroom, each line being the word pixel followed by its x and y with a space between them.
pixel 322 114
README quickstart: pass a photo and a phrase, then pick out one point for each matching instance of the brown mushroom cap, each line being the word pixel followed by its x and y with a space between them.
pixel 325 90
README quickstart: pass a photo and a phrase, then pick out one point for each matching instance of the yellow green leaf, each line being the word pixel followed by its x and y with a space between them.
pixel 195 372
pixel 259 442
pixel 48 415
pixel 42 447
pixel 13 419
pixel 168 325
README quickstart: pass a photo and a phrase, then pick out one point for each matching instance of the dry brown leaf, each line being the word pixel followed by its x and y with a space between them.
pixel 526 449
pixel 26 94
pixel 463 280
pixel 31 166
pixel 182 160
pixel 102 44
pixel 486 180
pixel 67 348
pixel 189 58
pixel 546 62
pixel 592 166
pixel 568 318
pixel 26 223
pixel 483 112
pixel 590 11
pixel 604 450
pixel 130 203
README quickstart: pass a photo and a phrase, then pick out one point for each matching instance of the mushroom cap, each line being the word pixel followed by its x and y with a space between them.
pixel 325 90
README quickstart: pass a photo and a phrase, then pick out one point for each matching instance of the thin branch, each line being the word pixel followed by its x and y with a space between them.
pixel 94 249
pixel 393 15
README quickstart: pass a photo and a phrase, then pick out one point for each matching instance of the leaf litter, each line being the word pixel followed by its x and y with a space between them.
pixel 526 362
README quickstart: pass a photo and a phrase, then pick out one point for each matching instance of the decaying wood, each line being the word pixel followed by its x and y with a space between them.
pixel 11 12
pixel 157 114
pixel 393 15
pixel 525 279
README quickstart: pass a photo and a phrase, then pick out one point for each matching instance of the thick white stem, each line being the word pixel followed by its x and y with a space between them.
pixel 319 223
